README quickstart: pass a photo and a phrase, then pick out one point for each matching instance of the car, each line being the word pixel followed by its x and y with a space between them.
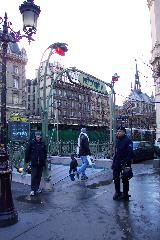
pixel 142 150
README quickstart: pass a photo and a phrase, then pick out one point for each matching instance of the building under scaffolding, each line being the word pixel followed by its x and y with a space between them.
pixel 71 105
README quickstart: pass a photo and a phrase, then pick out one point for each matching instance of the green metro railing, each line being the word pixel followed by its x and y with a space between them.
pixel 99 150
pixel 17 152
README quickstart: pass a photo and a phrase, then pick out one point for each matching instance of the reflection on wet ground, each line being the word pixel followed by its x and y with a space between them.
pixel 31 199
pixel 99 184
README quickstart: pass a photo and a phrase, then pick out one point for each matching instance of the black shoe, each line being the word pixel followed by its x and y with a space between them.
pixel 72 177
pixel 84 178
pixel 117 196
pixel 125 197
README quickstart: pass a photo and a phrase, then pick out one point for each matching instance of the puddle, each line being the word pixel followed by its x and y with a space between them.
pixel 29 199
pixel 99 184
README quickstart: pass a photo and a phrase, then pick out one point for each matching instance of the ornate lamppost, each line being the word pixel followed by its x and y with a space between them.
pixel 115 78
pixel 55 48
pixel 60 49
pixel 30 13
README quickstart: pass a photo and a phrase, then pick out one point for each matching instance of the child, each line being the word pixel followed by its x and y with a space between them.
pixel 73 168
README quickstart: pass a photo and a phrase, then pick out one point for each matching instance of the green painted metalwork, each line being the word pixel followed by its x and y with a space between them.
pixel 99 150
pixel 17 155
pixel 59 147
pixel 18 136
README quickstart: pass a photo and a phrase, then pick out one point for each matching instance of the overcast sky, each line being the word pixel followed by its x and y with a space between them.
pixel 104 37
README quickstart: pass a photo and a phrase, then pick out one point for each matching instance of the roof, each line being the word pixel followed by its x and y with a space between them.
pixel 14 48
pixel 137 95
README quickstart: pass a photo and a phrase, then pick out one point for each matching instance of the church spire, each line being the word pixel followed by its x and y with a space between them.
pixel 137 85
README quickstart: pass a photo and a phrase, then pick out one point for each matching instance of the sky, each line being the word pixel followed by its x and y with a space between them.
pixel 104 37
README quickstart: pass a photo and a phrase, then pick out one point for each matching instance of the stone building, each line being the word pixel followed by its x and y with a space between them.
pixel 31 99
pixel 70 104
pixel 138 109
pixel 16 78
pixel 154 8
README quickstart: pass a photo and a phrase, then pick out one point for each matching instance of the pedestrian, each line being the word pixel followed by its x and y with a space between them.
pixel 36 154
pixel 73 167
pixel 122 164
pixel 83 152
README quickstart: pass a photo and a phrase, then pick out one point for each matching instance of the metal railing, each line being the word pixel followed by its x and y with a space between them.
pixel 16 152
pixel 60 148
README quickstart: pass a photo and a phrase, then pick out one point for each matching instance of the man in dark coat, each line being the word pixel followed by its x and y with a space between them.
pixel 122 158
pixel 84 151
pixel 36 153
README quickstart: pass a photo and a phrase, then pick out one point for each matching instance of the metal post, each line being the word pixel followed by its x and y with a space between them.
pixel 111 123
pixel 45 107
pixel 131 124
pixel 8 214
pixel 57 121
pixel 114 114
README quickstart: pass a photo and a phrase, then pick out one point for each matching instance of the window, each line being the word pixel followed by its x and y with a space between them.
pixel 29 89
pixel 15 99
pixel 15 83
pixel 15 69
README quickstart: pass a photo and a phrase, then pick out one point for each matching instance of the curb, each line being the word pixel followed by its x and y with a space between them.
pixel 58 163
pixel 99 163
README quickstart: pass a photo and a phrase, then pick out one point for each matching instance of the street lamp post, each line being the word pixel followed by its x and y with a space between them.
pixel 131 124
pixel 58 48
pixel 30 13
pixel 115 78
pixel 61 49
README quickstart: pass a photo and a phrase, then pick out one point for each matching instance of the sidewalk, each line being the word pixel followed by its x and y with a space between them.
pixel 85 209
pixel 60 168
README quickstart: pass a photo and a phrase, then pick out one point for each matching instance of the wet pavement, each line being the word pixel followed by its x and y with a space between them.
pixel 83 210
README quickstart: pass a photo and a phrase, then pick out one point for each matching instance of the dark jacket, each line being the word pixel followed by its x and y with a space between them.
pixel 84 146
pixel 36 153
pixel 123 152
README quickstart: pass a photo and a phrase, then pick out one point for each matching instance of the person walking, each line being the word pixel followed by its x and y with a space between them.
pixel 83 152
pixel 122 164
pixel 36 154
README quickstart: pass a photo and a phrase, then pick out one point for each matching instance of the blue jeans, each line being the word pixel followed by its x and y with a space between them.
pixel 85 164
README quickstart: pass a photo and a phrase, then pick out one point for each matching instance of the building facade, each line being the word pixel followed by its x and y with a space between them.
pixel 138 110
pixel 16 78
pixel 70 104
pixel 154 8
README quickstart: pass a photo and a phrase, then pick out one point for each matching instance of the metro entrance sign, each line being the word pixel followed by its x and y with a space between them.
pixel 92 83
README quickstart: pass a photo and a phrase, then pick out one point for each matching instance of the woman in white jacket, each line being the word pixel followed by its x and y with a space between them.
pixel 84 151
